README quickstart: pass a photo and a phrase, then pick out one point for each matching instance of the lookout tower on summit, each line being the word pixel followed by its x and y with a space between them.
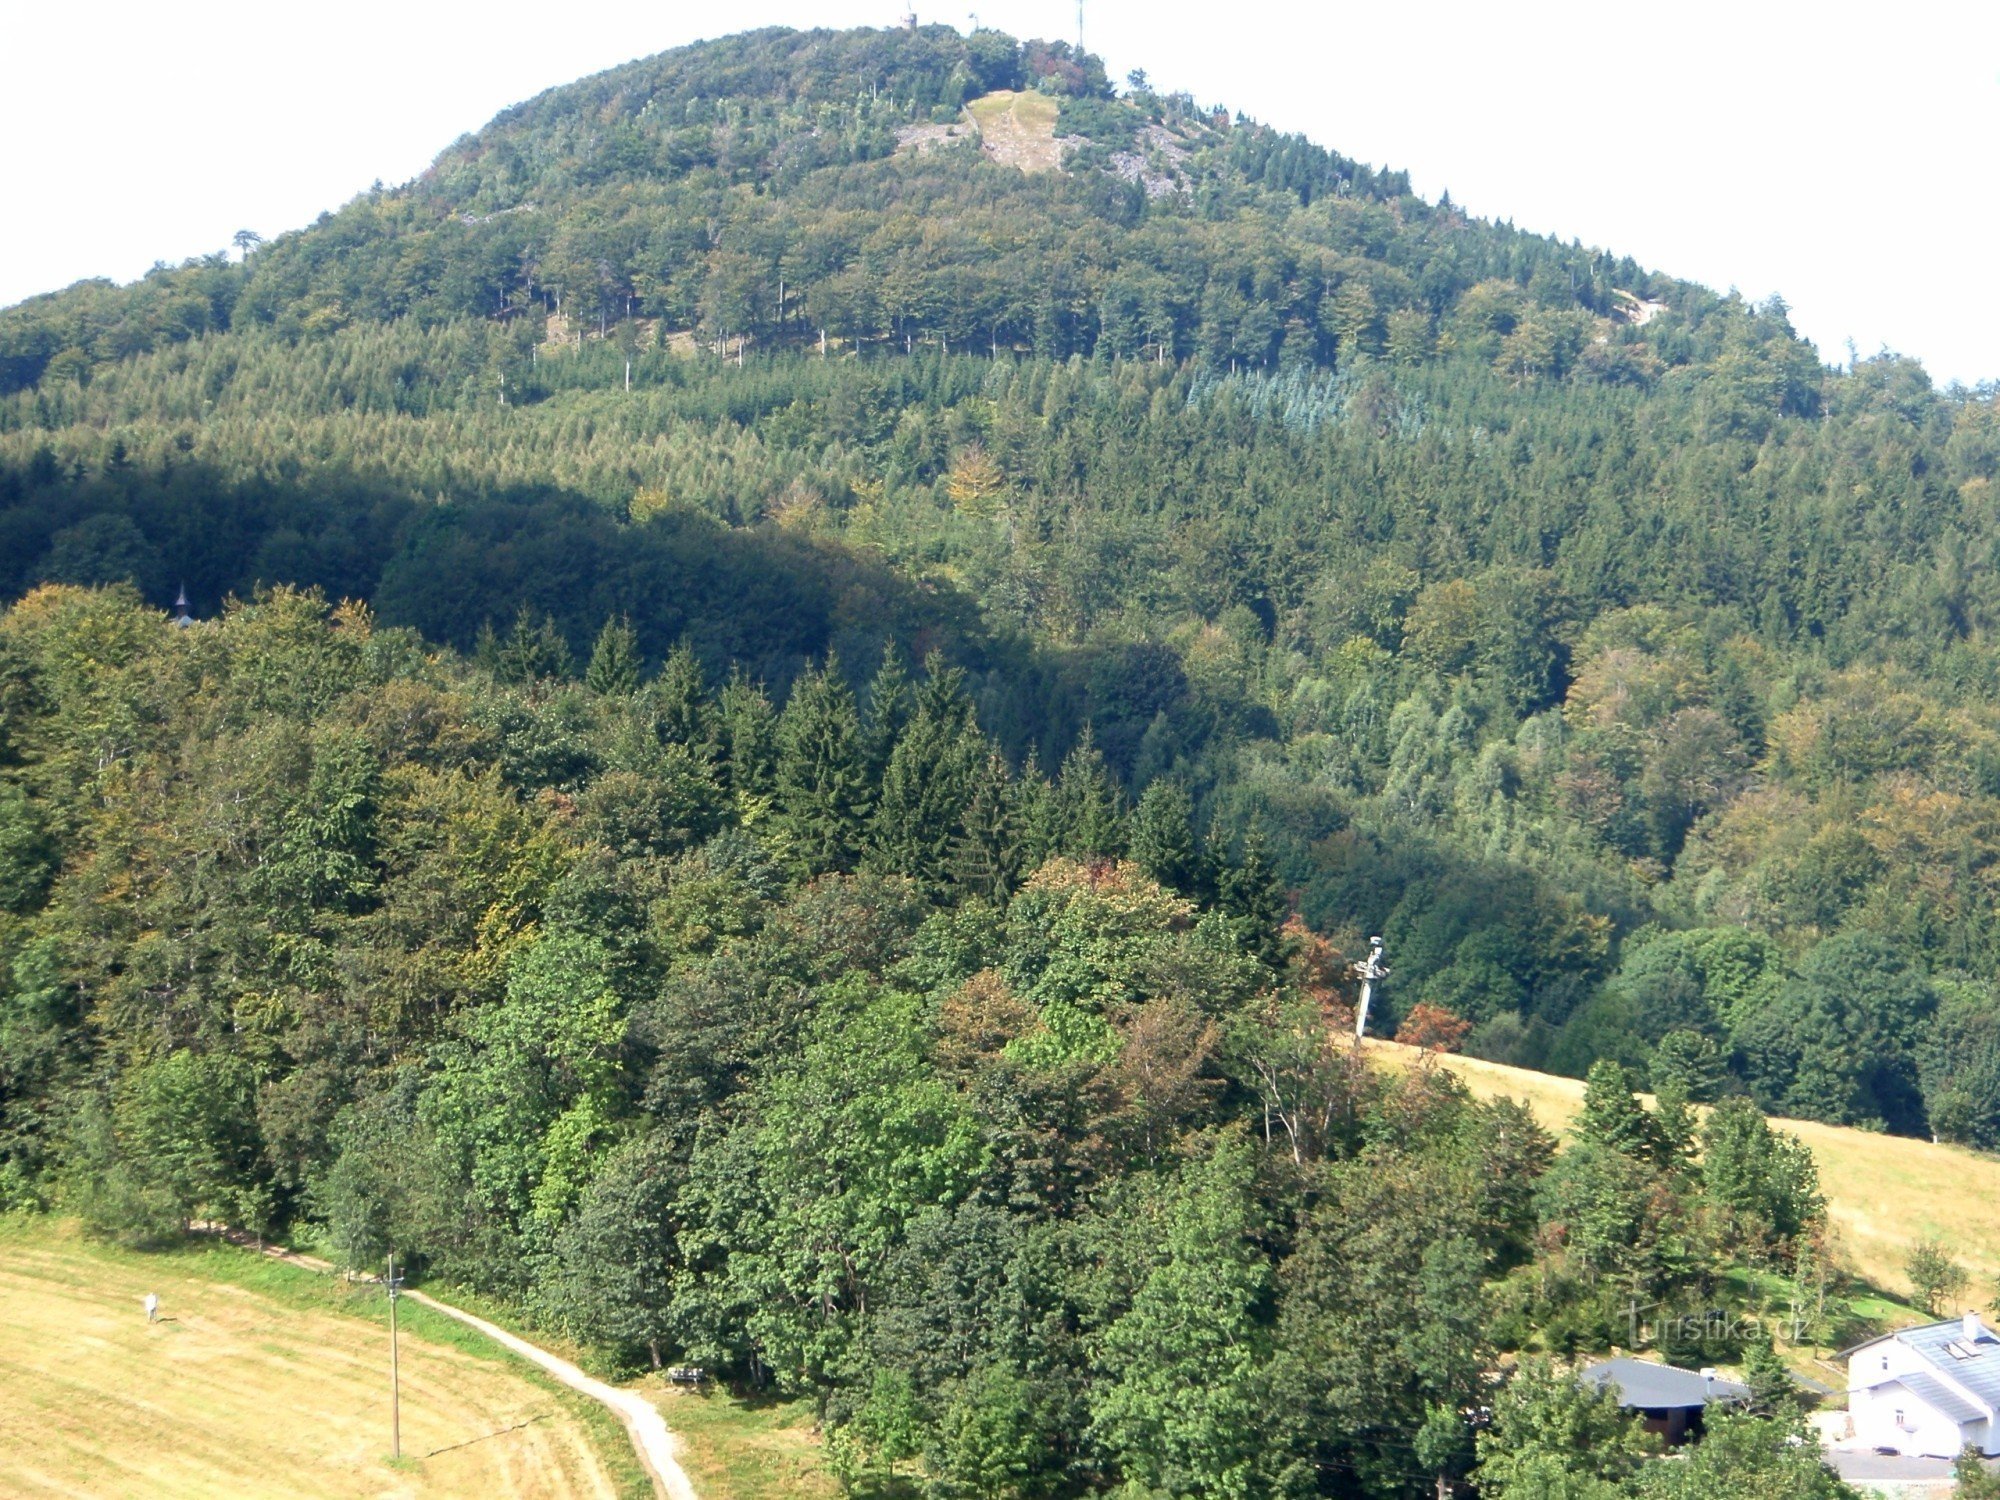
pixel 1371 971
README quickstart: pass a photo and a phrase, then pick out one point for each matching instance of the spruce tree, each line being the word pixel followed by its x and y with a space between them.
pixel 822 783
pixel 942 695
pixel 1771 1385
pixel 486 649
pixel 1250 891
pixel 927 782
pixel 986 855
pixel 1038 832
pixel 1613 1116
pixel 921 808
pixel 532 650
pixel 1688 1060
pixel 1089 811
pixel 749 732
pixel 614 660
pixel 1674 1126
pixel 890 704
pixel 1163 842
pixel 680 698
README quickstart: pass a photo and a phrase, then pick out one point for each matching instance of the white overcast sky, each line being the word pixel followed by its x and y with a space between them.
pixel 1840 155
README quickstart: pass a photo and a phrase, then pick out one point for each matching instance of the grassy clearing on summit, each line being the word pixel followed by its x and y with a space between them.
pixel 1018 129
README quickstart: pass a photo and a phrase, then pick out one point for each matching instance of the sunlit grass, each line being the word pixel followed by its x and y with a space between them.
pixel 262 1378
pixel 738 1448
pixel 1018 128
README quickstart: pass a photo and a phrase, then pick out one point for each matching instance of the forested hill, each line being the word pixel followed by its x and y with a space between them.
pixel 957 474
pixel 807 660
pixel 691 187
pixel 1541 611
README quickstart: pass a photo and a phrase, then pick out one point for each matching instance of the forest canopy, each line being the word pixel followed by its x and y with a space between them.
pixel 788 728
pixel 1545 613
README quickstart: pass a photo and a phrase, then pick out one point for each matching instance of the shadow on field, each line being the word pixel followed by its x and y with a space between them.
pixel 485 1436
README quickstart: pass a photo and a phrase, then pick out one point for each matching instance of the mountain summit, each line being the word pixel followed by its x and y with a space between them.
pixel 779 185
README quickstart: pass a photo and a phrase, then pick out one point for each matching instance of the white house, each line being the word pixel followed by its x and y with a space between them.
pixel 1929 1390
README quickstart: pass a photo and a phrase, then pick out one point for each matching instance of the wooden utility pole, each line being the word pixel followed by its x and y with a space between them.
pixel 395 1374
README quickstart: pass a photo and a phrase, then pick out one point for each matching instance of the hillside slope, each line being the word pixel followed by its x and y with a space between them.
pixel 1884 1193
pixel 1569 623
pixel 878 692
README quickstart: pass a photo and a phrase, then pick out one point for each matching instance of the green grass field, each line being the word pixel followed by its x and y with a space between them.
pixel 262 1378
pixel 736 1450
pixel 1883 1192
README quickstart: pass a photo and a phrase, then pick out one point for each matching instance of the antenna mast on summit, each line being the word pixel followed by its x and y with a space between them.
pixel 1079 30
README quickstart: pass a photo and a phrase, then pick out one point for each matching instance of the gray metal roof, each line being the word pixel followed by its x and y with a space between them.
pixel 1641 1383
pixel 1977 1369
pixel 1940 1397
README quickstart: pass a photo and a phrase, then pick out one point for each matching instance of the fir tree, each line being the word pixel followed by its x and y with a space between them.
pixel 822 784
pixel 1089 811
pixel 614 660
pixel 1163 841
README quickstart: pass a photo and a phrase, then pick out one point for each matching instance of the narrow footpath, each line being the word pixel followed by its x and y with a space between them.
pixel 648 1429
pixel 656 1445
